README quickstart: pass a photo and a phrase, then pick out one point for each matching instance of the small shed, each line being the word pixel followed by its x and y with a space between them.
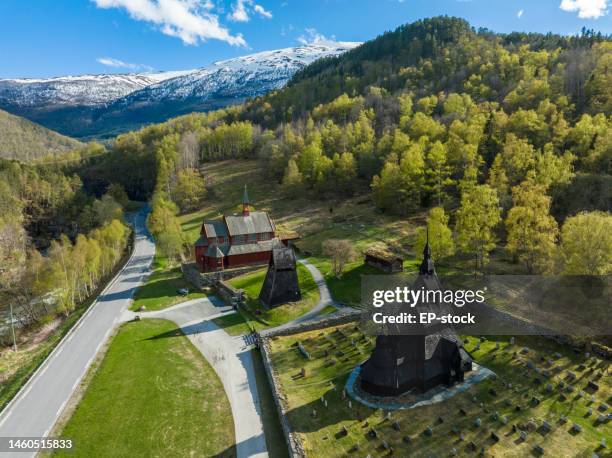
pixel 384 260
pixel 281 284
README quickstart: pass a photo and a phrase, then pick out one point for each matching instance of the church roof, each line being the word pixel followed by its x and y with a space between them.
pixel 215 228
pixel 264 245
pixel 254 223
pixel 214 251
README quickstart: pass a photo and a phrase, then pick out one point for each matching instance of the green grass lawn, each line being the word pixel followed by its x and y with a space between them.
pixel 322 435
pixel 234 324
pixel 346 289
pixel 153 395
pixel 160 290
pixel 260 316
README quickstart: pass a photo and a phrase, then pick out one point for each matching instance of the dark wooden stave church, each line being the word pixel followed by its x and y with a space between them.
pixel 401 363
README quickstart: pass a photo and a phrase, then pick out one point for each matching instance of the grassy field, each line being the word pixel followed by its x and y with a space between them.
pixel 314 219
pixel 323 436
pixel 153 395
pixel 260 316
pixel 234 324
pixel 160 290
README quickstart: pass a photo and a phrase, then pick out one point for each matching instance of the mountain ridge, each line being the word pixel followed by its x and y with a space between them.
pixel 104 105
pixel 24 140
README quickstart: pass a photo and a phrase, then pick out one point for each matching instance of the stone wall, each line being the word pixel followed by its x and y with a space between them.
pixel 202 279
pixel 229 294
pixel 294 444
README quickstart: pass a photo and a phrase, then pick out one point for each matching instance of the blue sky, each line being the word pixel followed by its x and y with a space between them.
pixel 43 38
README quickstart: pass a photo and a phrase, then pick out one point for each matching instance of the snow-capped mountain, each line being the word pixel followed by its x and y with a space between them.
pixel 240 77
pixel 85 90
pixel 103 105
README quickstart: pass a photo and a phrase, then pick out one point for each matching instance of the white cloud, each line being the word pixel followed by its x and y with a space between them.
pixel 520 14
pixel 262 11
pixel 311 36
pixel 190 20
pixel 116 63
pixel 239 12
pixel 242 9
pixel 587 9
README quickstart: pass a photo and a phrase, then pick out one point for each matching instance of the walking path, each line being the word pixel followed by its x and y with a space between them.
pixel 231 359
pixel 38 405
pixel 325 299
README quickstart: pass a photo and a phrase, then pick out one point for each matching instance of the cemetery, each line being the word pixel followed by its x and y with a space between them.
pixel 542 400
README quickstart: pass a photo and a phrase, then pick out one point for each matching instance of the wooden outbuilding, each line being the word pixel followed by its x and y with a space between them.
pixel 384 260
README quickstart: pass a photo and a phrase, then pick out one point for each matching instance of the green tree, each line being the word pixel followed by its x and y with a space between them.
pixel 440 235
pixel 477 217
pixel 345 173
pixel 532 232
pixel 586 244
pixel 106 209
pixel 116 191
pixel 189 190
pixel 437 172
pixel 293 181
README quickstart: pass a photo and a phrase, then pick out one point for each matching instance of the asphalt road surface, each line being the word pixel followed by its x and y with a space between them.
pixel 36 408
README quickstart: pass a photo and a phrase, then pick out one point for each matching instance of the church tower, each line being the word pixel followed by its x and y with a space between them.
pixel 245 202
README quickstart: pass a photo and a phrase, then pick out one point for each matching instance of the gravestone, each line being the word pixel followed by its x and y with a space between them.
pixel 396 426
pixel 592 385
pixel 576 428
pixel 429 431
pixel 494 436
pixel 478 422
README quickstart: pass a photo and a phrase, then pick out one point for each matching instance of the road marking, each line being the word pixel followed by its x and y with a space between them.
pixel 9 409
pixel 60 409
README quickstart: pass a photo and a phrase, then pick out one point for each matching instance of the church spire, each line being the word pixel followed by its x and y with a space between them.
pixel 427 265
pixel 245 202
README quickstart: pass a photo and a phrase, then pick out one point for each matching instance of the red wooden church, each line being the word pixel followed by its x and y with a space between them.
pixel 238 240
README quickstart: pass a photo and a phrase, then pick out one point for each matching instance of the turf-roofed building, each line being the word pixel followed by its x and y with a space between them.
pixel 238 240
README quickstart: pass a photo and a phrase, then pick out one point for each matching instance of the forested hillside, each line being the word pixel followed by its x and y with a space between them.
pixel 504 139
pixel 24 140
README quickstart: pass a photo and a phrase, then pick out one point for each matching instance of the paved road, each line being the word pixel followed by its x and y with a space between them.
pixel 230 357
pixel 35 409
